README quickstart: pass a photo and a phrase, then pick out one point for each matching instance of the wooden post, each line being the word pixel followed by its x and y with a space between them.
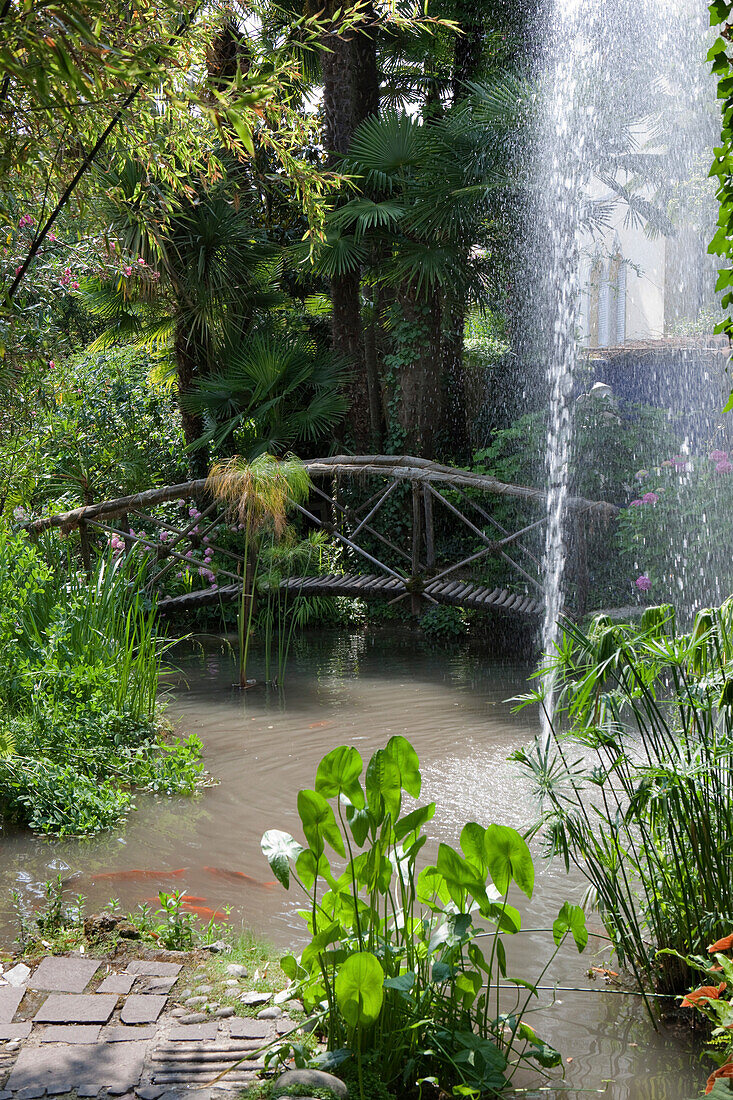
pixel 86 555
pixel 429 531
pixel 417 517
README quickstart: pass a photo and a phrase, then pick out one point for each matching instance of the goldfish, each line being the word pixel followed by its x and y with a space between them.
pixel 238 876
pixel 136 875
pixel 205 912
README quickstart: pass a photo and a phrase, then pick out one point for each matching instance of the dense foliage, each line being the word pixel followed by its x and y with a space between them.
pixel 406 968
pixel 634 783
pixel 79 667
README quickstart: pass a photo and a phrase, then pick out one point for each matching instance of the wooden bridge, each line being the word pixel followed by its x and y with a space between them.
pixel 416 567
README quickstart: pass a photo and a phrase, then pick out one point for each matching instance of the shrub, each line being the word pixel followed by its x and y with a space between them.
pixel 404 967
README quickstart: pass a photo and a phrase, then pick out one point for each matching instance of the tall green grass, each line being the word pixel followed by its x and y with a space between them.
pixel 635 783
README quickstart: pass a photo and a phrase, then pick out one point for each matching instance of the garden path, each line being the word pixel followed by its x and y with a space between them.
pixel 75 1024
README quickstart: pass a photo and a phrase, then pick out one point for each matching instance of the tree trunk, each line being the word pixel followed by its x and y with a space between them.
pixel 191 422
pixel 420 380
pixel 350 95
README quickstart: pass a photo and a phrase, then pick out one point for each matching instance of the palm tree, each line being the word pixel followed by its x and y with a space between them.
pixel 258 493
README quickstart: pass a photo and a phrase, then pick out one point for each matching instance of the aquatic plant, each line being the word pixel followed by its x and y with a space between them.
pixel 259 493
pixel 634 782
pixel 410 967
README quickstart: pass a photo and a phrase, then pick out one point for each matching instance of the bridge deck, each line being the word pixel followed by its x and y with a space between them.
pixel 459 593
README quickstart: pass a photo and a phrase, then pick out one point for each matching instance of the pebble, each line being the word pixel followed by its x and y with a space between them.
pixel 295 1006
pixel 255 998
pixel 184 994
pixel 211 1006
pixel 178 1012
pixel 223 1013
pixel 194 1002
pixel 231 983
pixel 150 1092
pixel 236 970
pixel 202 990
pixel 193 1018
pixel 230 994
pixel 270 1013
pixel 218 947
pixel 14 1044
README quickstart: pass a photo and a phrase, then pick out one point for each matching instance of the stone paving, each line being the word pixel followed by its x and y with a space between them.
pixel 75 1025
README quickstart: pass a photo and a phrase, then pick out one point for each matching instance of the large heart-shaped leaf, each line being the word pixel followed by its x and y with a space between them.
pixel 384 794
pixel 278 849
pixel 359 989
pixel 508 857
pixel 319 823
pixel 571 918
pixel 339 773
pixel 402 753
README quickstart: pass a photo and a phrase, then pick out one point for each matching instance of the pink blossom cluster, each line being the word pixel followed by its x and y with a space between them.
pixel 142 265
pixel 117 544
pixel 68 280
pixel 648 498
pixel 723 464
pixel 643 583
pixel 26 219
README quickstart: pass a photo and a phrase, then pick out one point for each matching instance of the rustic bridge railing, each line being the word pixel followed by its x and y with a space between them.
pixel 415 568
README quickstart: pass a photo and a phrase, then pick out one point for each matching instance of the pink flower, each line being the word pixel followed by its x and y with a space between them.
pixel 140 260
pixel 635 503
pixel 26 219
pixel 723 467
pixel 18 270
pixel 718 456
pixel 649 498
pixel 112 246
pixel 74 285
pixel 155 274
pixel 214 586
pixel 51 364
pixel 52 237
pixel 127 270
pixel 643 583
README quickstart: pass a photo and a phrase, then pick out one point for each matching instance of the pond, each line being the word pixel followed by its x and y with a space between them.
pixel 263 746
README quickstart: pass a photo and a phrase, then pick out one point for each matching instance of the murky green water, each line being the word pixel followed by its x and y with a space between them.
pixel 262 746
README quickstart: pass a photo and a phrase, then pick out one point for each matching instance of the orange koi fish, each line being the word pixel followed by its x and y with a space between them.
pixel 205 912
pixel 238 876
pixel 136 875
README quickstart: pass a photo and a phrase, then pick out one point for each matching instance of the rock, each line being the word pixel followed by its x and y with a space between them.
pixel 184 994
pixel 294 1006
pixel 312 1078
pixel 223 1013
pixel 150 1092
pixel 17 975
pixel 211 1006
pixel 178 1012
pixel 202 990
pixel 255 998
pixel 12 1045
pixel 104 924
pixel 310 1024
pixel 269 1013
pixel 232 983
pixel 31 1092
pixel 237 970
pixel 194 1002
pixel 219 947
pixel 193 1018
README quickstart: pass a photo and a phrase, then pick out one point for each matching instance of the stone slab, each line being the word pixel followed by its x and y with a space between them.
pixel 149 984
pixel 186 1032
pixel 71 1033
pixel 246 1028
pixel 117 1034
pixel 87 1069
pixel 14 1031
pixel 120 984
pixel 64 975
pixel 10 998
pixel 76 1008
pixel 142 1008
pixel 153 969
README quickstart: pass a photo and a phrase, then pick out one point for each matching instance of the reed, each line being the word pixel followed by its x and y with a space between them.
pixel 635 782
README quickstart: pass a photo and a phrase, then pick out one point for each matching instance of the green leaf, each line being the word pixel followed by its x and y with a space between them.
pixel 571 918
pixel 413 821
pixel 359 823
pixel 383 786
pixel 472 845
pixel 338 773
pixel 310 867
pixel 278 849
pixel 404 756
pixel 359 989
pixel 508 857
pixel 719 11
pixel 319 823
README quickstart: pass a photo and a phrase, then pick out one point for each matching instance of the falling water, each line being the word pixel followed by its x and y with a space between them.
pixel 623 80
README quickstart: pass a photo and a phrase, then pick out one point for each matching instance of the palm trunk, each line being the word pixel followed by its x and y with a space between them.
pixel 350 95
